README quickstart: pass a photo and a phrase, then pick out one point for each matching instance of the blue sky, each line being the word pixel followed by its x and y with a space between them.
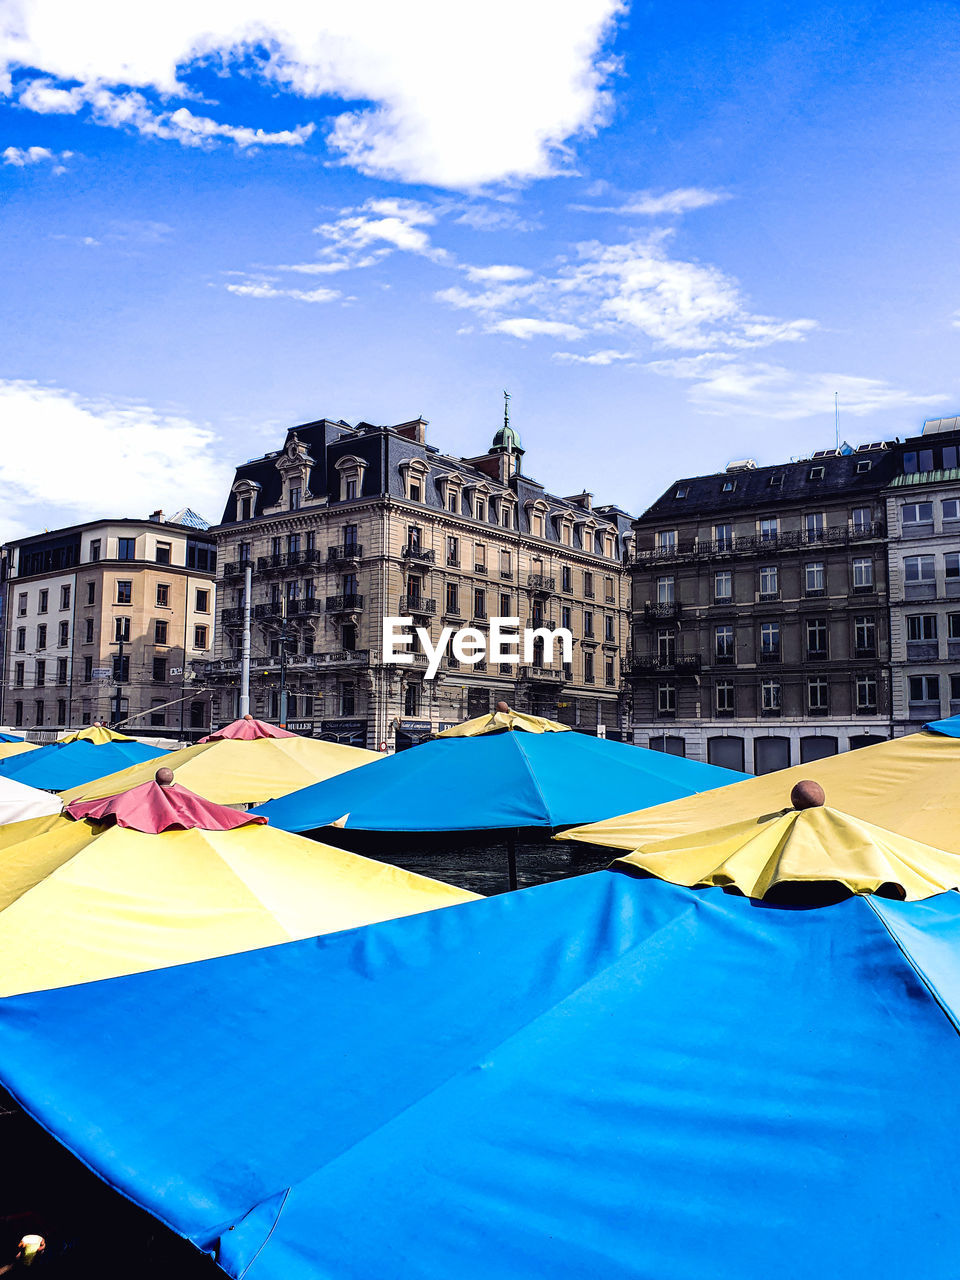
pixel 672 231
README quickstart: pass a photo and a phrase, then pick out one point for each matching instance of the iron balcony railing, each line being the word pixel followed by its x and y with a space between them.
pixel 753 544
pixel 538 673
pixel 230 617
pixel 540 582
pixel 413 551
pixel 417 604
pixel 340 604
pixel 345 551
pixel 661 612
pixel 680 664
pixel 236 567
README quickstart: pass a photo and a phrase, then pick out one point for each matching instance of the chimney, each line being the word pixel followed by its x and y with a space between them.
pixel 156 517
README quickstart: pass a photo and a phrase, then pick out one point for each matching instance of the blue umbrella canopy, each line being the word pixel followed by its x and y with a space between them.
pixel 950 726
pixel 599 1076
pixel 496 781
pixel 62 765
pixel 10 737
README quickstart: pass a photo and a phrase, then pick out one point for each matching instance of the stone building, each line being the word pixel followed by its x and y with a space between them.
pixel 923 519
pixel 760 633
pixel 346 525
pixel 102 621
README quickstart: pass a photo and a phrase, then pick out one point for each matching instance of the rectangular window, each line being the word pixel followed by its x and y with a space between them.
pixel 63 634
pixel 770 696
pixel 770 641
pixel 866 693
pixel 723 585
pixel 815 526
pixel 608 591
pixel 126 548
pixel 666 647
pixel 453 598
pixel 951 565
pixel 44 601
pixel 924 688
pixel 506 565
pixel 87 668
pixel 506 516
pixel 38 711
pixel 480 509
pixel 505 605
pixel 88 631
pixel 865 636
pixel 951 509
pixel 18 672
pixel 163 553
pixel 121 629
pixel 41 673
pixel 95 550
pixel 160 669
pixel 61 711
pixel 453 501
pixel 608 633
pixel 918 569
pixel 200 637
pixel 666 699
pixel 817 634
pixel 817 693
pixel 21 639
pixel 724 697
pixel 955 688
pixel 588 585
pixel 769 529
pixel 18 714
pixel 588 624
pixel 348 700
pixel 22 605
pixel 414 491
pixel 566 618
pixel 480 558
pixel 160 632
pixel 665 590
pixel 91 593
pixel 815 581
pixel 922 626
pixel 953 626
pixel 121 668
pixel 479 603
pixel 294 497
pixel 351 491
pixel 203 601
pixel 163 595
pixel 769 582
pixel 158 714
pixel 609 675
pixel 861 520
pixel 723 643
pixel 61 671
pixel 124 591
pixel 916 513
pixel 863 574
pixel 667 541
pixel 42 636
pixel 588 668
pixel 566 578
pixel 293 547
pixel 65 597
pixel 723 536
pixel 453 552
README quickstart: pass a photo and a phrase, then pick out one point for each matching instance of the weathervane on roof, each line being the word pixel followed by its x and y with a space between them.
pixel 506 409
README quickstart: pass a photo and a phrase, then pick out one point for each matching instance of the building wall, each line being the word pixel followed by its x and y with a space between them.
pixel 402 523
pixel 77 684
pixel 924 615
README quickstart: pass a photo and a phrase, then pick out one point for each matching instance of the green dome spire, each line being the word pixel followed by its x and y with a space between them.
pixel 507 439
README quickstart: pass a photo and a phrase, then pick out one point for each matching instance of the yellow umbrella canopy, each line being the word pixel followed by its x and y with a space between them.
pixel 810 844
pixel 504 718
pixel 84 899
pixel 907 786
pixel 234 771
pixel 98 734
pixel 15 748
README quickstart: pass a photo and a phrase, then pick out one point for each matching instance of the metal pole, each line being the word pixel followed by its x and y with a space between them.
pixel 117 707
pixel 245 649
pixel 283 662
pixel 512 859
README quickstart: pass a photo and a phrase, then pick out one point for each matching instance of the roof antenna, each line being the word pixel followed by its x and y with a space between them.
pixel 836 416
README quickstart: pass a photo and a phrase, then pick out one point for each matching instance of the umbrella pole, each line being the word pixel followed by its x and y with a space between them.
pixel 512 860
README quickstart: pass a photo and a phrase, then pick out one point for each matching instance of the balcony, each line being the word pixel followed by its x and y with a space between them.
pixel 480 568
pixel 231 617
pixel 866 652
pixel 301 608
pixel 272 609
pixel 646 665
pixel 724 659
pixel 653 613
pixel 541 675
pixel 413 551
pixel 236 567
pixel 269 564
pixel 538 582
pixel 770 655
pixel 336 658
pixel 344 551
pixel 344 604
pixel 223 669
pixel 754 544
pixel 417 605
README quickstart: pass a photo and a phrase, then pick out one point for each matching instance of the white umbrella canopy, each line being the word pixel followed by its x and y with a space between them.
pixel 18 802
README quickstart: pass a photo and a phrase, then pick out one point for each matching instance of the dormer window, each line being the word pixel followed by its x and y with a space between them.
pixel 351 471
pixel 816 473
pixel 413 473
pixel 728 486
pixel 682 491
pixel 776 481
pixel 294 497
pixel 864 465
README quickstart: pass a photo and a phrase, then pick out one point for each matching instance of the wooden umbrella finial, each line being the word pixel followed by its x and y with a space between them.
pixel 807 795
pixel 164 776
pixel 503 706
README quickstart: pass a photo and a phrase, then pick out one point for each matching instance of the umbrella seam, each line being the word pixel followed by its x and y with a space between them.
pixel 925 981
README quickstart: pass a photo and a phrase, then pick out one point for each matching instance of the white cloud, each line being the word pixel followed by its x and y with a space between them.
pixel 20 157
pixel 525 327
pixel 425 67
pixel 596 357
pixel 362 236
pixel 668 203
pixel 727 387
pixel 481 275
pixel 489 217
pixel 132 110
pixel 269 289
pixel 100 458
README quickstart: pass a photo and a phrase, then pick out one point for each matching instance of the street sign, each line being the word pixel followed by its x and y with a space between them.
pixel 176 671
pixel 101 673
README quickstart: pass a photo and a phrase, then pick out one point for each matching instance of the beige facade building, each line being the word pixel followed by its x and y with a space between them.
pixel 102 622
pixel 347 525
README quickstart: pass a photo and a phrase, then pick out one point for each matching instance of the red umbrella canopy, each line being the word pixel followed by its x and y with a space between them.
pixel 246 729
pixel 160 805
